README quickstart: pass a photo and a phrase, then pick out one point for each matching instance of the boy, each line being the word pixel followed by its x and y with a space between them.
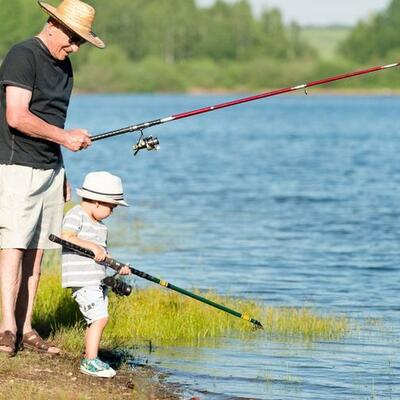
pixel 101 192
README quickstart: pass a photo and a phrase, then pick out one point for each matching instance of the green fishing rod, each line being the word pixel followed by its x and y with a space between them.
pixel 116 265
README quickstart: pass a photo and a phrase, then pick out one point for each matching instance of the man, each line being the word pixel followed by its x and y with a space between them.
pixel 35 89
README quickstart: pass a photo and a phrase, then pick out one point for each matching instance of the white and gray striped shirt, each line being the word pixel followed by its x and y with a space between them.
pixel 78 271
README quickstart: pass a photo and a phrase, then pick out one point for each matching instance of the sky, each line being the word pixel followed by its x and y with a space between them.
pixel 318 12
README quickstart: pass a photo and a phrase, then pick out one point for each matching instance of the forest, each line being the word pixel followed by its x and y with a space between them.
pixel 177 46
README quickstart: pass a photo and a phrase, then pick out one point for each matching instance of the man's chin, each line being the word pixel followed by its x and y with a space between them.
pixel 63 55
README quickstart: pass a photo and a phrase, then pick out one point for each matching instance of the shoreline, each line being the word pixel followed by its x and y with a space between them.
pixel 31 375
pixel 222 92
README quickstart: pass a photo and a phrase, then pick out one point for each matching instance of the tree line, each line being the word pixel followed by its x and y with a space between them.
pixel 172 30
pixel 177 45
pixel 376 38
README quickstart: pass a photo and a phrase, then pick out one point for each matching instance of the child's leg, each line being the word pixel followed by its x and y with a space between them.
pixel 93 336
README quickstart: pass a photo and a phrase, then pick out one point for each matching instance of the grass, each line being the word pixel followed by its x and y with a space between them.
pixel 325 39
pixel 161 316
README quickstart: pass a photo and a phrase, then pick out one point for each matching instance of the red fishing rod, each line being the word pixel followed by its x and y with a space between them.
pixel 151 143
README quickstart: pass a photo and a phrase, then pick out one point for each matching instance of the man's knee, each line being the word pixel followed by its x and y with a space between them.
pixel 11 257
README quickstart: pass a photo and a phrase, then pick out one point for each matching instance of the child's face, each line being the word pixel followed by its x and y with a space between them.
pixel 102 210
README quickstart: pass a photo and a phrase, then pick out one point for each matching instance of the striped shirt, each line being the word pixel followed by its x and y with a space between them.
pixel 78 271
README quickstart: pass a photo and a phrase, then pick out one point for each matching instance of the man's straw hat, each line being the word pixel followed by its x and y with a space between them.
pixel 76 16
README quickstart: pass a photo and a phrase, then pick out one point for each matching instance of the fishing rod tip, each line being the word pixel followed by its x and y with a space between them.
pixel 257 325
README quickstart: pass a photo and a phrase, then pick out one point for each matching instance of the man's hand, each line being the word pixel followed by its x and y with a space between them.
pixel 19 116
pixel 77 139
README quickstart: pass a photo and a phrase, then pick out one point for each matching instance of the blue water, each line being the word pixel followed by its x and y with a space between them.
pixel 291 201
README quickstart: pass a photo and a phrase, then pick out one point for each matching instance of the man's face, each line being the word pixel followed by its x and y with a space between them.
pixel 64 41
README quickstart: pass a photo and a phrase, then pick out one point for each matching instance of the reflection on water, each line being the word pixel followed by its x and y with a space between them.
pixel 289 201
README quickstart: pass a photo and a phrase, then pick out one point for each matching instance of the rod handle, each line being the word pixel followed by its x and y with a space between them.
pixel 108 261
pixel 79 249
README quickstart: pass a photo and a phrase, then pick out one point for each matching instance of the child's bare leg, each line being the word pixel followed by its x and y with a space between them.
pixel 93 336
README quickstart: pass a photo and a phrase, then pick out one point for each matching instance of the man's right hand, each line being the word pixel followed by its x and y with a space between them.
pixel 77 139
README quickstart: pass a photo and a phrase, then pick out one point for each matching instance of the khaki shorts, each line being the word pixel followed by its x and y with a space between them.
pixel 31 206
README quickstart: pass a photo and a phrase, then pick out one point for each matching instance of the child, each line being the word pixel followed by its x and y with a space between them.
pixel 101 193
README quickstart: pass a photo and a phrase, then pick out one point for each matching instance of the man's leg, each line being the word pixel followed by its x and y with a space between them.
pixel 10 279
pixel 31 270
pixel 31 267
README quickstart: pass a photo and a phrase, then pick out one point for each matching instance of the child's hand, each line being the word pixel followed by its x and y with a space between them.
pixel 125 270
pixel 99 253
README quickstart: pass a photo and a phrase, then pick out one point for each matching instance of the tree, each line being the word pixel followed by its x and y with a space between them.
pixel 376 38
pixel 171 29
pixel 18 22
pixel 227 31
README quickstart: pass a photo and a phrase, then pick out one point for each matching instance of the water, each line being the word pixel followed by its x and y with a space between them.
pixel 291 201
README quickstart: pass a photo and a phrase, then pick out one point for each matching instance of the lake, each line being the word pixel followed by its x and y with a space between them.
pixel 291 201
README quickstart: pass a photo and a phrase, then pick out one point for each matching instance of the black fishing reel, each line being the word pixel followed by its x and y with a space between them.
pixel 149 143
pixel 118 286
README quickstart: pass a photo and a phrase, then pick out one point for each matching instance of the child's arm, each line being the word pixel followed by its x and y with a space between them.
pixel 99 252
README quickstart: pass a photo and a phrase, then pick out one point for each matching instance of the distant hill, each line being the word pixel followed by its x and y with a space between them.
pixel 325 39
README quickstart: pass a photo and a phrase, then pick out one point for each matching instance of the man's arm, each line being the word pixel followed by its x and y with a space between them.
pixel 19 117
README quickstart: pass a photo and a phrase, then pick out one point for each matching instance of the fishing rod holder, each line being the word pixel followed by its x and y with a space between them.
pixel 149 143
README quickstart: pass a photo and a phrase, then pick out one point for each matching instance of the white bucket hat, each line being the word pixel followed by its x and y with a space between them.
pixel 103 186
pixel 76 16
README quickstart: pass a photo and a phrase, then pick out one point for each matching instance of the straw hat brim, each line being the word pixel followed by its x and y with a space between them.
pixel 99 197
pixel 90 37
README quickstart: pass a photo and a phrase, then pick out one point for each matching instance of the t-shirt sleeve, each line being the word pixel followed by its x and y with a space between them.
pixel 19 68
pixel 72 222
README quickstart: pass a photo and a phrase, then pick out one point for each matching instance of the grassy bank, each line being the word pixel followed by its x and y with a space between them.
pixel 163 317
pixel 153 316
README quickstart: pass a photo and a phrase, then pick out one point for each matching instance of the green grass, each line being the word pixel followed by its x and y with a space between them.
pixel 163 316
pixel 325 39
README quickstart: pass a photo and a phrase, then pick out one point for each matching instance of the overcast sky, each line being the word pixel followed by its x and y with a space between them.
pixel 319 12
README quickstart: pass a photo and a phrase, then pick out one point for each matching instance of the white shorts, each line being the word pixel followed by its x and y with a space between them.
pixel 31 206
pixel 92 301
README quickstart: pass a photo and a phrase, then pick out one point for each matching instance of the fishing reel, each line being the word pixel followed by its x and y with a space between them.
pixel 118 286
pixel 149 143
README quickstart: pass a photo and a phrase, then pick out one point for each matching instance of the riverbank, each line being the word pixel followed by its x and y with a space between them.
pixel 36 376
pixel 156 317
pixel 317 91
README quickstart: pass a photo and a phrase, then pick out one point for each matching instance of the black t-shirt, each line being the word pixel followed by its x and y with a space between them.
pixel 29 65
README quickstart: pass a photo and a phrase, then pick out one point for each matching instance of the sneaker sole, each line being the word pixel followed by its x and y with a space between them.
pixel 96 374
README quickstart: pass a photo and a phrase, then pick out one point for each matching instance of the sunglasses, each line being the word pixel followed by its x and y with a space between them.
pixel 72 36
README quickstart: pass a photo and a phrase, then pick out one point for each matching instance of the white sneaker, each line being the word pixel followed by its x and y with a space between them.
pixel 96 367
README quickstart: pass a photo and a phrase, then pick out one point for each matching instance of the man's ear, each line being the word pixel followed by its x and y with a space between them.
pixel 51 26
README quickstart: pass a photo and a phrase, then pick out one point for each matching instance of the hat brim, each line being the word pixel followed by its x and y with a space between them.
pixel 91 37
pixel 99 197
